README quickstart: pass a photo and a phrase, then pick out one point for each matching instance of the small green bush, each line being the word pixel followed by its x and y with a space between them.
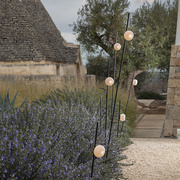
pixel 150 95
pixel 6 104
pixel 53 138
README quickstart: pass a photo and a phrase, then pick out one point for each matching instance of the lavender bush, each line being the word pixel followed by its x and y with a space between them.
pixel 54 140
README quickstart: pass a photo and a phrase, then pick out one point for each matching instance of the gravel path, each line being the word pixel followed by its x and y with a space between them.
pixel 153 159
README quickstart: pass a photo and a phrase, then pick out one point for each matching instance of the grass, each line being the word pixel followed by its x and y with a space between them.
pixel 121 96
pixel 31 91
pixel 68 99
pixel 35 91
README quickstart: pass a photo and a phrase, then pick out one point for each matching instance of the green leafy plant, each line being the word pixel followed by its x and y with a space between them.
pixel 7 104
pixel 53 138
pixel 150 95
pixel 90 98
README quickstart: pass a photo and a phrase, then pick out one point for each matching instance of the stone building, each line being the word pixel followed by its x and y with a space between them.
pixel 172 120
pixel 31 44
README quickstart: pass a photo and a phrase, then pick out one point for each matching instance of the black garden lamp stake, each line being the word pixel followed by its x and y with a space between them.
pixel 119 118
pixel 92 167
pixel 98 152
pixel 133 82
pixel 121 64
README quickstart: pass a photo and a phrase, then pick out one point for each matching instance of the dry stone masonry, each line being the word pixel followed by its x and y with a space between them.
pixel 172 121
pixel 28 33
pixel 31 44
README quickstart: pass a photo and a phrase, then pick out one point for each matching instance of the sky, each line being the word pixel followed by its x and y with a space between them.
pixel 64 12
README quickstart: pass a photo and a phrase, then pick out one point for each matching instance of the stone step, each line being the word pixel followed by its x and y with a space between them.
pixel 150 126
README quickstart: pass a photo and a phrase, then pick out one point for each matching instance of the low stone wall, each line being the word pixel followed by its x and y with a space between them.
pixel 172 121
pixel 50 80
pixel 152 106
pixel 41 68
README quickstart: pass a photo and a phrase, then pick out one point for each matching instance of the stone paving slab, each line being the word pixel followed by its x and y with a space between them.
pixel 146 102
pixel 150 126
pixel 148 133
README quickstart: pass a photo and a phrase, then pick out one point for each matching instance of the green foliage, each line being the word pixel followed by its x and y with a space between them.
pixel 96 28
pixel 98 22
pixel 122 96
pixel 154 26
pixel 150 95
pixel 26 90
pixel 7 104
pixel 47 140
pixel 45 143
pixel 155 81
pixel 89 98
pixel 98 66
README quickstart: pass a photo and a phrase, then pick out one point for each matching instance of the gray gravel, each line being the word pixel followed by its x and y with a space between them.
pixel 152 159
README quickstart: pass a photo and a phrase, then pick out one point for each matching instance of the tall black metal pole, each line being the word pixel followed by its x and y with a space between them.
pixel 114 74
pixel 119 118
pixel 112 118
pixel 106 114
pixel 100 111
pixel 128 99
pixel 107 100
pixel 92 167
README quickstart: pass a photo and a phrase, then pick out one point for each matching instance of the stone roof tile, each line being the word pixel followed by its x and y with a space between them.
pixel 27 32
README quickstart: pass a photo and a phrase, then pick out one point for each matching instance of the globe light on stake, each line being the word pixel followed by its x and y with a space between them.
pixel 122 117
pixel 109 81
pixel 128 35
pixel 117 46
pixel 99 151
pixel 135 82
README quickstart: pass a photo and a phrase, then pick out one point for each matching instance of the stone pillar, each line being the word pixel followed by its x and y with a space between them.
pixel 178 26
pixel 172 120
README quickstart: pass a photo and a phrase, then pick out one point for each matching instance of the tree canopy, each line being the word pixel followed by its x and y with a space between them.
pixel 98 66
pixel 154 26
pixel 97 23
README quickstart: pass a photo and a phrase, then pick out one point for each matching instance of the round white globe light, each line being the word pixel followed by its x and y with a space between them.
pixel 109 81
pixel 99 151
pixel 128 35
pixel 117 46
pixel 135 82
pixel 122 117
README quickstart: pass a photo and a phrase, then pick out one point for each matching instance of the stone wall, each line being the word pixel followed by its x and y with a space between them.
pixel 42 68
pixel 48 80
pixel 172 121
pixel 32 49
pixel 28 33
pixel 38 69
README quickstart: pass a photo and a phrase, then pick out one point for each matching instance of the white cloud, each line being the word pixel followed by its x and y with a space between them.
pixel 141 1
pixel 63 11
pixel 69 37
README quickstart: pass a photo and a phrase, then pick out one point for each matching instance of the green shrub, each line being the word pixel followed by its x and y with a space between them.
pixel 48 139
pixel 6 104
pixel 89 98
pixel 150 95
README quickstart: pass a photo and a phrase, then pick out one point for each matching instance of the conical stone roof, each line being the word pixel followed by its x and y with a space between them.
pixel 27 33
